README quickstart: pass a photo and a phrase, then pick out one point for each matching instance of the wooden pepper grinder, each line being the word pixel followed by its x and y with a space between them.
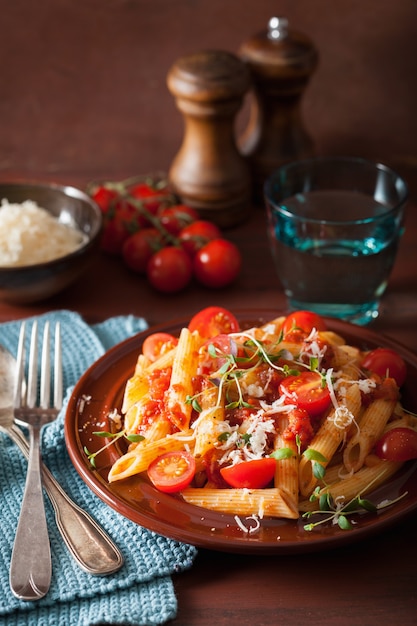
pixel 281 62
pixel 208 172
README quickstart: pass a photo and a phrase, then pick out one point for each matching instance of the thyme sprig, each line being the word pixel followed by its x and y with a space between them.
pixel 113 438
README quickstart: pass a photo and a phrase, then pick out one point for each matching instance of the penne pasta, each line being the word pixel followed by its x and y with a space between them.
pixel 138 459
pixel 181 386
pixel 206 428
pixel 164 361
pixel 361 483
pixel 136 388
pixel 261 502
pixel 286 473
pixel 329 437
pixel 229 399
pixel 347 358
pixel 371 428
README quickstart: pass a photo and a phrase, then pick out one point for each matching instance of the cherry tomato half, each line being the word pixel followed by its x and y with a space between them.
pixel 397 444
pixel 217 264
pixel 306 391
pixel 250 474
pixel 172 471
pixel 224 346
pixel 304 320
pixel 212 321
pixel 386 363
pixel 157 344
pixel 169 270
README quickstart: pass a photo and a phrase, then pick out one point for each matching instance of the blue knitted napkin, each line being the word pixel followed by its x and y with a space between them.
pixel 141 592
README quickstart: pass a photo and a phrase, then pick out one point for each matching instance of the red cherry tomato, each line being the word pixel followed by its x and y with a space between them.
pixel 157 344
pixel 397 444
pixel 145 190
pixel 175 218
pixel 139 247
pixel 120 222
pixel 306 391
pixel 387 364
pixel 194 236
pixel 304 320
pixel 250 474
pixel 104 197
pixel 224 346
pixel 152 197
pixel 169 270
pixel 172 471
pixel 212 321
pixel 218 263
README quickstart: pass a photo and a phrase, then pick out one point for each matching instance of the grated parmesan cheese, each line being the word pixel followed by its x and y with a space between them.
pixel 366 385
pixel 29 235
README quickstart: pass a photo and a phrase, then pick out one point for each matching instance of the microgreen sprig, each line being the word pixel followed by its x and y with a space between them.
pixel 317 459
pixel 113 438
pixel 338 513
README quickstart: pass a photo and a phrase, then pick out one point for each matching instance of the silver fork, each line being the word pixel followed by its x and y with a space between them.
pixel 31 568
pixel 93 550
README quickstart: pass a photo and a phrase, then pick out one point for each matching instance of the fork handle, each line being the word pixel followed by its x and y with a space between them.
pixel 91 547
pixel 31 568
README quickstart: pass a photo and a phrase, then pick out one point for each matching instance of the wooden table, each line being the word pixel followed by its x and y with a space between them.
pixel 84 96
pixel 367 583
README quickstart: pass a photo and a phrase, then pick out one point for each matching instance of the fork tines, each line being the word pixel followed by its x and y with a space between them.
pixel 29 398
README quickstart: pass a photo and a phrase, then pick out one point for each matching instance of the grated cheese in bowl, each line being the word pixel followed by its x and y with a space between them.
pixel 30 235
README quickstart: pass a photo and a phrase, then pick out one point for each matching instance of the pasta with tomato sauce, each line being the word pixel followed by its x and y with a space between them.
pixel 262 421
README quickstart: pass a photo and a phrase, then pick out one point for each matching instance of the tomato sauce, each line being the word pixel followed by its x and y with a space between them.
pixel 299 425
pixel 155 406
pixel 385 389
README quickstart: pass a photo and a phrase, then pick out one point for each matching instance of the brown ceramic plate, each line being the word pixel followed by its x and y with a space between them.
pixel 136 499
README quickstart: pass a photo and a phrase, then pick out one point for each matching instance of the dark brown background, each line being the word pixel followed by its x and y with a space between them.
pixel 83 95
pixel 83 84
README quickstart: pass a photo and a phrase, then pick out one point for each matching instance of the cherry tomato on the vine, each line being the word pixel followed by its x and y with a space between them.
pixel 397 444
pixel 146 190
pixel 212 321
pixel 157 344
pixel 217 263
pixel 139 247
pixel 104 197
pixel 121 222
pixel 169 270
pixel 175 218
pixel 172 471
pixel 307 391
pixel 387 364
pixel 304 320
pixel 152 197
pixel 194 236
pixel 254 474
pixel 136 209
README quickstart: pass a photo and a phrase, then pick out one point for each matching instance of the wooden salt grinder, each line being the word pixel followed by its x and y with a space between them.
pixel 281 62
pixel 208 172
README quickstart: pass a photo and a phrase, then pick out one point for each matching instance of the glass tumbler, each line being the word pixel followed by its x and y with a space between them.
pixel 334 226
